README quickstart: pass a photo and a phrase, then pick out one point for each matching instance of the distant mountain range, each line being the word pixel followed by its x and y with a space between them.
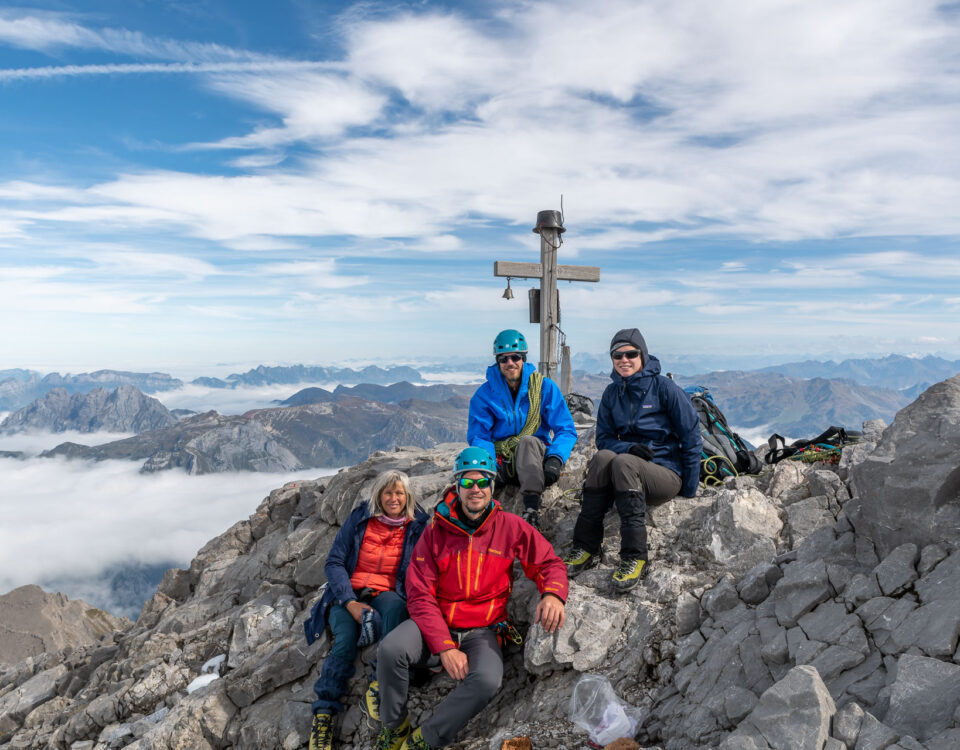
pixel 894 371
pixel 791 406
pixel 387 394
pixel 17 391
pixel 20 387
pixel 294 374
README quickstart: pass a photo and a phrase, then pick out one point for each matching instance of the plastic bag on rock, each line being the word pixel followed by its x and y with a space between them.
pixel 595 707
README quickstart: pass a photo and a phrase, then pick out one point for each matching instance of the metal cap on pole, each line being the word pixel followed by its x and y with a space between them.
pixel 549 220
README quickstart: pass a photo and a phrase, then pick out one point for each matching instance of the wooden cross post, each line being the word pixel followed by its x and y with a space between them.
pixel 549 227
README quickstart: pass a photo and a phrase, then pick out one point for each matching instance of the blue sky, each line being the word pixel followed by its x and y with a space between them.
pixel 185 184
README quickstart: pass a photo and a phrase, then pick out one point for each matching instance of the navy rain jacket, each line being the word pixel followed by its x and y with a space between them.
pixel 342 560
pixel 494 415
pixel 650 408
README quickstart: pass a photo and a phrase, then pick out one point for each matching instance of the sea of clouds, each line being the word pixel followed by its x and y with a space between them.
pixel 69 521
pixel 240 400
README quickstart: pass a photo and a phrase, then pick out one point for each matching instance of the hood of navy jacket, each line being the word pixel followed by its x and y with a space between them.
pixel 647 407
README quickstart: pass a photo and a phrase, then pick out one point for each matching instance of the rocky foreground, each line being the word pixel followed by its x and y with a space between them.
pixel 815 606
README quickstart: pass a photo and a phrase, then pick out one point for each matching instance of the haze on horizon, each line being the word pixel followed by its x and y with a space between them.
pixel 318 182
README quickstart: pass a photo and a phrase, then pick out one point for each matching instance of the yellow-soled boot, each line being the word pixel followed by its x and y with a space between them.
pixel 393 739
pixel 321 733
pixel 416 742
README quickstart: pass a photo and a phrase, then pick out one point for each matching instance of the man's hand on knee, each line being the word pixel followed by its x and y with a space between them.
pixel 454 661
pixel 552 467
pixel 551 613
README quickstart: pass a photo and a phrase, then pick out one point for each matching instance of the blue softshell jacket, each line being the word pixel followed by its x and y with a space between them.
pixel 342 560
pixel 494 415
pixel 650 408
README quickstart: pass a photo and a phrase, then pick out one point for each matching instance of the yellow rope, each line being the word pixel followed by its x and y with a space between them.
pixel 507 448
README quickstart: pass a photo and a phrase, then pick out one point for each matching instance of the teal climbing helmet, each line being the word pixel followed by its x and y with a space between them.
pixel 474 459
pixel 509 341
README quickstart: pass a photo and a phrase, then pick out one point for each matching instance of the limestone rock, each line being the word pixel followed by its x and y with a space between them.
pixel 802 588
pixel 924 696
pixel 898 570
pixel 743 529
pixel 910 486
pixel 793 714
pixel 593 626
pixel 16 704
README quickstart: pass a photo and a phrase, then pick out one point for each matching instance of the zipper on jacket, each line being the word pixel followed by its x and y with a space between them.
pixel 459 577
pixel 476 583
pixel 469 556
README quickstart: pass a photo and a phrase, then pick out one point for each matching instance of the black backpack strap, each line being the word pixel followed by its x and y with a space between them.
pixel 775 455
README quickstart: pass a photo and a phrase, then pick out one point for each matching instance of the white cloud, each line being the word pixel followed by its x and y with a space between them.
pixel 312 105
pixel 108 514
pixel 33 443
pixel 320 274
pixel 112 69
pixel 152 265
pixel 838 121
pixel 49 31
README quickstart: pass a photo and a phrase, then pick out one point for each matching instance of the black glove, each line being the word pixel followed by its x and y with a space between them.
pixel 552 466
pixel 641 450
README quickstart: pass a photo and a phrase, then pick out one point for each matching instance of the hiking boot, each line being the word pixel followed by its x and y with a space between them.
pixel 321 733
pixel 532 517
pixel 629 573
pixel 371 700
pixel 416 742
pixel 393 739
pixel 579 560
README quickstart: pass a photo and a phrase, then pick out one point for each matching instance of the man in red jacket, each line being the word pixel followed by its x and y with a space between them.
pixel 458 584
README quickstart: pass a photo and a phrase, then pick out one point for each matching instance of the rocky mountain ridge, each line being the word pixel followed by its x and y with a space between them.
pixel 125 409
pixel 283 439
pixel 781 612
pixel 34 622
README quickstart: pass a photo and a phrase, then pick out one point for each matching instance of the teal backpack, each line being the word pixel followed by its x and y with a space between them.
pixel 725 454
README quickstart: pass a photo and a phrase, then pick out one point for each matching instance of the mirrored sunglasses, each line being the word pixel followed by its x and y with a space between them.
pixel 482 482
pixel 509 358
pixel 632 354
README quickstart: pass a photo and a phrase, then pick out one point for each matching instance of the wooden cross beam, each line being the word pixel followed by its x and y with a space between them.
pixel 549 227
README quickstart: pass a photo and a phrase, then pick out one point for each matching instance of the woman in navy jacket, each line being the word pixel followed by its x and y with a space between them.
pixel 648 440
pixel 365 597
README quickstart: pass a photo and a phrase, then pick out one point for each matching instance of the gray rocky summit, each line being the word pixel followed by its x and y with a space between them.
pixel 772 618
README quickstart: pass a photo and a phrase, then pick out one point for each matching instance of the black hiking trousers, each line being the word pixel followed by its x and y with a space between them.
pixel 629 483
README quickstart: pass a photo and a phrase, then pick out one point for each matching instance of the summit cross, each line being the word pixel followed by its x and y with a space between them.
pixel 549 227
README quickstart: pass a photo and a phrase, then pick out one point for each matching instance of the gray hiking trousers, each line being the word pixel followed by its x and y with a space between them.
pixel 404 647
pixel 528 461
pixel 629 483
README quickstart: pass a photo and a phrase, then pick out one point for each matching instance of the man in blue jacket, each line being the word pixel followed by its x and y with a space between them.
pixel 503 423
pixel 648 440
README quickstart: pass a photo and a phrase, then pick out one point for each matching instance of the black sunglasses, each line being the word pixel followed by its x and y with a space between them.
pixel 510 358
pixel 632 354
pixel 482 482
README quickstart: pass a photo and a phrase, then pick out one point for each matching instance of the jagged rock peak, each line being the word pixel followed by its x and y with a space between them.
pixel 125 409
pixel 33 622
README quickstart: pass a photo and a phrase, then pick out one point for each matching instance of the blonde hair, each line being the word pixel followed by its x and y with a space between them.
pixel 388 479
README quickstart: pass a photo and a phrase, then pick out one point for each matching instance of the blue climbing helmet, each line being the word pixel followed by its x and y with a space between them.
pixel 509 341
pixel 474 459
